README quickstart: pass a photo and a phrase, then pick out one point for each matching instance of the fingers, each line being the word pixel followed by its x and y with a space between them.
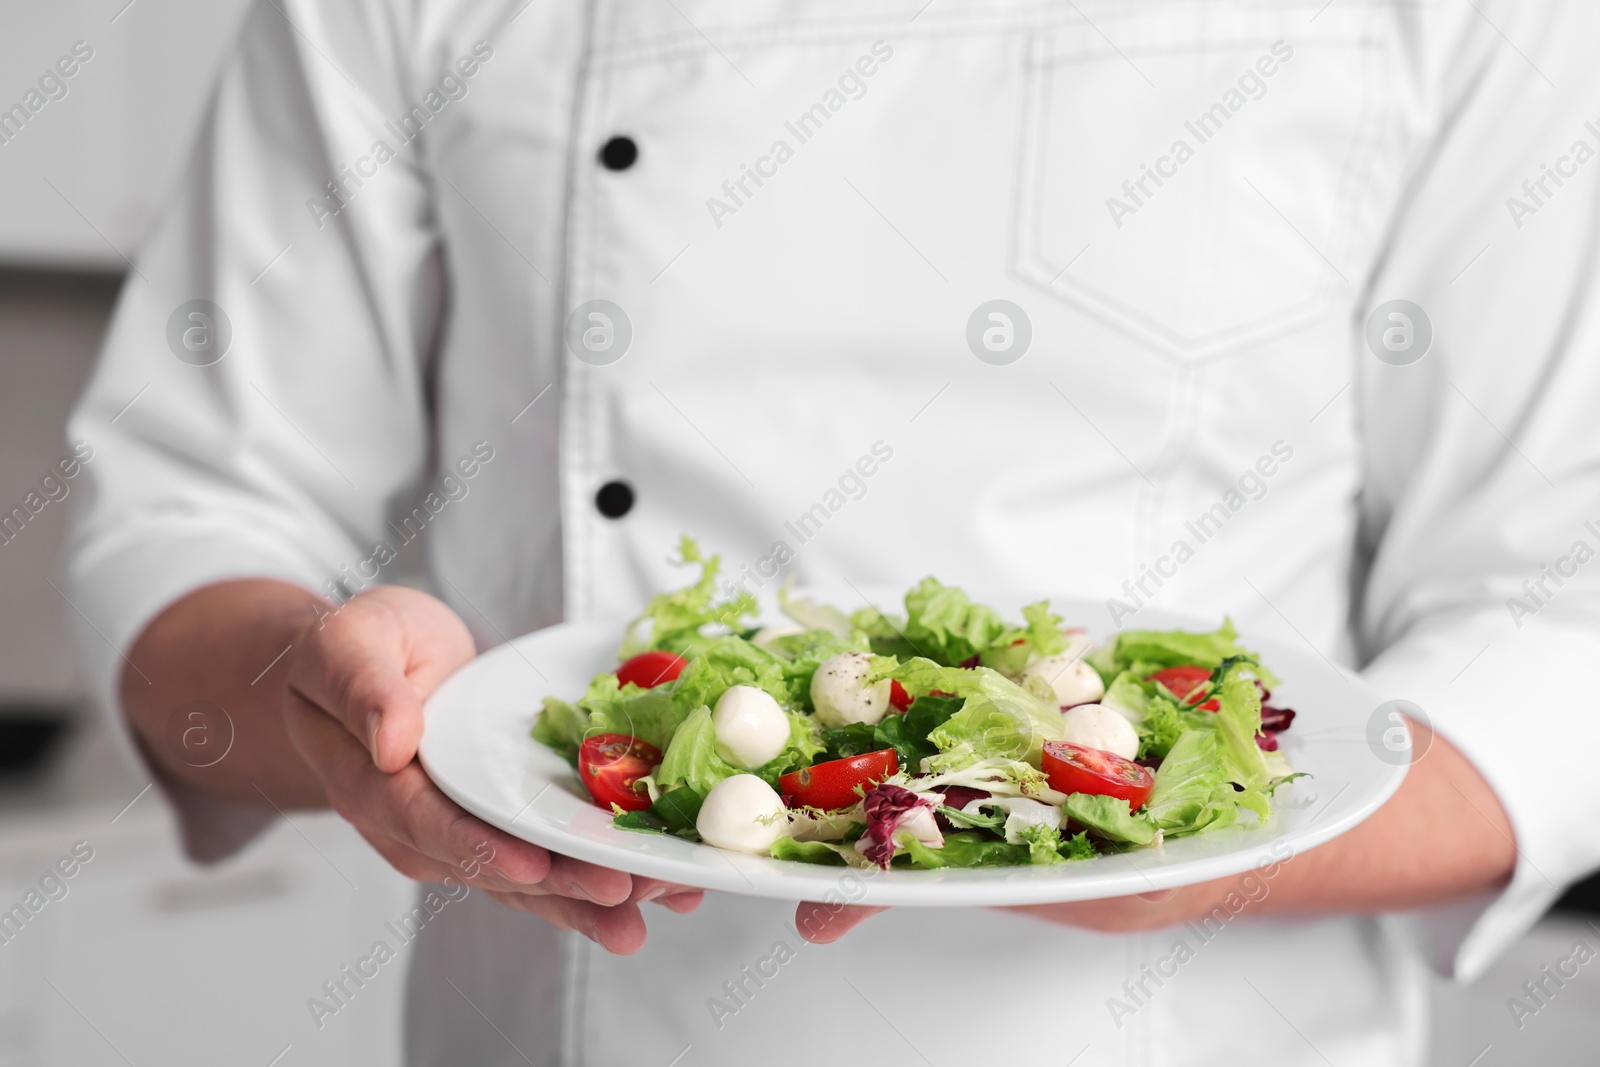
pixel 408 861
pixel 619 930
pixel 407 808
pixel 654 889
pixel 822 924
pixel 1142 911
pixel 585 881
pixel 682 903
pixel 354 712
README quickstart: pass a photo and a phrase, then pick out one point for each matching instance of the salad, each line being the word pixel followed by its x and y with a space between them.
pixel 948 736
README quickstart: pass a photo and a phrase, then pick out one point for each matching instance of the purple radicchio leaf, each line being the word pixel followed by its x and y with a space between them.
pixel 891 809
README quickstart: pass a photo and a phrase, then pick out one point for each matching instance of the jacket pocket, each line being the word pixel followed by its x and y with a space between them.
pixel 1190 174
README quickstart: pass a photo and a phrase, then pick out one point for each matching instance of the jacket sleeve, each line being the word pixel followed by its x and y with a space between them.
pixel 1481 509
pixel 260 401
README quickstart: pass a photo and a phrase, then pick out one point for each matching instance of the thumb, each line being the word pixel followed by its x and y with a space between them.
pixel 372 664
pixel 361 684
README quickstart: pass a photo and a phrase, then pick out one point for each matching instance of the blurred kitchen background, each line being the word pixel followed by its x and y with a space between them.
pixel 226 958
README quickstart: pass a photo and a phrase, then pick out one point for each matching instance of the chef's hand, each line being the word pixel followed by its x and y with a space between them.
pixel 1443 835
pixel 353 709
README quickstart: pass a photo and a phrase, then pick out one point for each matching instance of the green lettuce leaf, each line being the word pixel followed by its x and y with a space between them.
pixel 562 726
pixel 1110 818
pixel 943 624
pixel 824 852
pixel 998 718
pixel 1238 721
pixel 648 714
pixel 1043 842
pixel 653 715
pixel 928 713
pixel 691 757
pixel 907 734
pixel 716 664
pixel 1143 652
pixel 852 740
pixel 673 813
pixel 1165 721
pixel 1192 791
pixel 814 646
pixel 963 849
pixel 1079 847
pixel 1047 847
pixel 1130 695
pixel 1040 636
pixel 894 732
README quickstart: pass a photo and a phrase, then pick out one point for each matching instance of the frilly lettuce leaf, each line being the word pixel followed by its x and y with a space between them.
pixel 1001 777
pixel 999 718
pixel 1015 647
pixel 944 624
pixel 672 615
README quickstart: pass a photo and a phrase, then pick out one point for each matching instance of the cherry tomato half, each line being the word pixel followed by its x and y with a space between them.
pixel 1187 684
pixel 1079 769
pixel 610 764
pixel 833 784
pixel 899 699
pixel 649 669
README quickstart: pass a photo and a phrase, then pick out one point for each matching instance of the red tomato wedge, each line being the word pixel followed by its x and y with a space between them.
pixel 610 764
pixel 1181 681
pixel 1186 683
pixel 833 784
pixel 899 699
pixel 649 669
pixel 1079 769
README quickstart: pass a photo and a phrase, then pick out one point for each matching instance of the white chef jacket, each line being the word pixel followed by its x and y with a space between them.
pixel 821 195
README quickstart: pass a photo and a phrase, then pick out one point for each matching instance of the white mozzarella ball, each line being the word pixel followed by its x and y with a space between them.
pixel 1079 644
pixel 768 634
pixel 840 693
pixel 751 728
pixel 742 814
pixel 1073 680
pixel 1096 726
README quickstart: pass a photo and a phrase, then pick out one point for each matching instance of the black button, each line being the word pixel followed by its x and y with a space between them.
pixel 614 500
pixel 619 153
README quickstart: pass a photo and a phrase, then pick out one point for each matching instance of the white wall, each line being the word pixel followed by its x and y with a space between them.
pixel 115 142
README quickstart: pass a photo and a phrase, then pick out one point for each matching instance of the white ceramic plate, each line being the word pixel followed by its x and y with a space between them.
pixel 477 748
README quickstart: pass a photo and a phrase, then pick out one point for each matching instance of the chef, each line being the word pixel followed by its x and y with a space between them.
pixel 1281 310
